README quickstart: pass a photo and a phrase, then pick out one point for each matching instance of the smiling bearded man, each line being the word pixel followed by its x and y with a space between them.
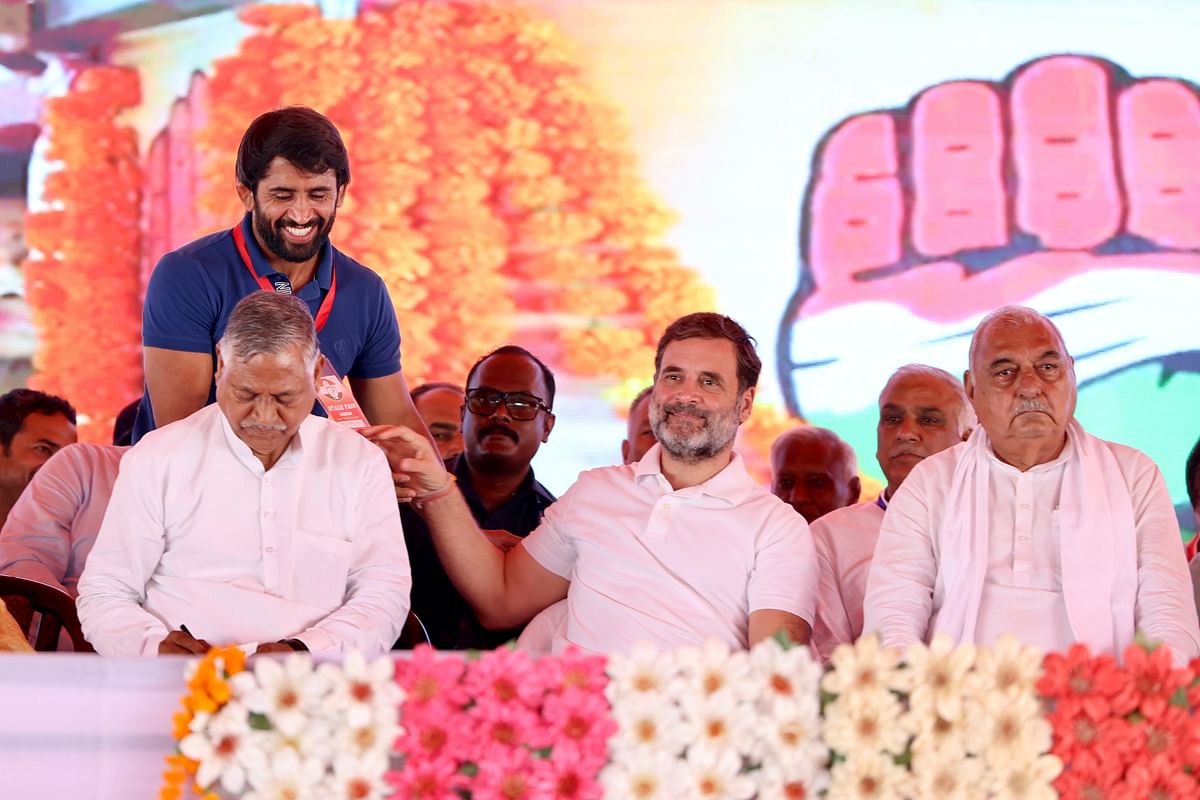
pixel 679 547
pixel 1031 527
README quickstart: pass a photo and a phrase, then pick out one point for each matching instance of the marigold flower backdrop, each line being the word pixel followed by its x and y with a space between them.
pixel 573 175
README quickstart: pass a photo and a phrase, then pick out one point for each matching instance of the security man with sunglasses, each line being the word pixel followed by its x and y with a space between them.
pixel 506 417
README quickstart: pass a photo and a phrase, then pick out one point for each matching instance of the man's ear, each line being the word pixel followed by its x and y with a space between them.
pixel 246 195
pixel 625 451
pixel 855 489
pixel 547 426
pixel 747 404
pixel 220 365
pixel 317 370
pixel 969 385
pixel 341 196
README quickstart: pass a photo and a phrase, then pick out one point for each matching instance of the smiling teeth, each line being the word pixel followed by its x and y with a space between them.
pixel 298 231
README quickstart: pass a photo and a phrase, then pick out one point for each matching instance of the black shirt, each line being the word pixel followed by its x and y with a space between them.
pixel 449 619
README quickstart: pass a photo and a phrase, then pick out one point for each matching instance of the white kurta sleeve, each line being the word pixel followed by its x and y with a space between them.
pixel 900 587
pixel 127 551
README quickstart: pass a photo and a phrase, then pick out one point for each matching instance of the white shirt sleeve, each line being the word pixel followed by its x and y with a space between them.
pixel 833 624
pixel 900 587
pixel 380 579
pixel 784 577
pixel 36 540
pixel 549 544
pixel 127 551
pixel 1165 610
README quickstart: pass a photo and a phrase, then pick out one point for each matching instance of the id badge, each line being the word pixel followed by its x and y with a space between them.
pixel 338 401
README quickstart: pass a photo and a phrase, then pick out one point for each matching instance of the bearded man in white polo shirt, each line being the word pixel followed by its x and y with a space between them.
pixel 251 522
pixel 922 411
pixel 679 547
pixel 1031 527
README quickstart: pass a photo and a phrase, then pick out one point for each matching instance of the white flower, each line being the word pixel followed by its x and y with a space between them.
pixel 718 721
pixel 934 734
pixel 357 778
pixel 791 734
pixel 788 782
pixel 1008 666
pixel 863 667
pixel 711 774
pixel 219 743
pixel 645 671
pixel 714 669
pixel 648 722
pixel 940 676
pixel 1004 727
pixel 375 737
pixel 284 775
pixel 870 776
pixel 1029 780
pixel 285 694
pixel 642 775
pixel 865 723
pixel 936 777
pixel 314 739
pixel 362 691
pixel 783 675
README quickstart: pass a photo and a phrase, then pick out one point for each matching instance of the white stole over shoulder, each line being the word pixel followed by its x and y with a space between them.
pixel 1097 538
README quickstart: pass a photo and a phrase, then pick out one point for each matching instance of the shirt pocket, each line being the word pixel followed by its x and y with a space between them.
pixel 320 566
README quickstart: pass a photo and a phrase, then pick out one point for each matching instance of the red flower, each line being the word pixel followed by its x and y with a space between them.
pixel 1158 779
pixel 1152 681
pixel 504 676
pixel 427 779
pixel 1078 681
pixel 1164 738
pixel 1088 777
pixel 1099 748
pixel 427 677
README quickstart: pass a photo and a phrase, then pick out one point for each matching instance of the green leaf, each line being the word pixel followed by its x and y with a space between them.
pixel 1180 698
pixel 259 722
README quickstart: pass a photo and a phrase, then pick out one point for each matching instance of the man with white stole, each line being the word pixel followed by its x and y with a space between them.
pixel 1031 527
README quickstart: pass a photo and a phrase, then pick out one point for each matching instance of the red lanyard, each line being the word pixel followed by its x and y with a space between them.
pixel 239 239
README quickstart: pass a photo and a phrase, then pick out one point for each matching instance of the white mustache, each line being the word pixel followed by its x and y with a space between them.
pixel 1031 405
pixel 256 426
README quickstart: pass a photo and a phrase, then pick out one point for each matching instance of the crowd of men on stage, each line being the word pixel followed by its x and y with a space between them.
pixel 247 512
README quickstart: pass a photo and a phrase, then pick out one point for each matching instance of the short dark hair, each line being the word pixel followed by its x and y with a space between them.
pixel 20 403
pixel 1193 480
pixel 516 349
pixel 432 386
pixel 710 325
pixel 298 134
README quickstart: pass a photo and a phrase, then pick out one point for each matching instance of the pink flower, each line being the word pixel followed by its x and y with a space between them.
pixel 568 776
pixel 574 669
pixel 427 677
pixel 435 730
pixel 506 774
pixel 427 779
pixel 504 676
pixel 1152 681
pixel 493 723
pixel 579 721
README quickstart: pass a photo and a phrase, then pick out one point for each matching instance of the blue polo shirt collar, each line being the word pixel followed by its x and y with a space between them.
pixel 262 267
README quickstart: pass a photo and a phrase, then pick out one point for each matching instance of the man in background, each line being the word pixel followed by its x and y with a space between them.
pixel 441 408
pixel 639 433
pixel 922 411
pixel 33 426
pixel 814 471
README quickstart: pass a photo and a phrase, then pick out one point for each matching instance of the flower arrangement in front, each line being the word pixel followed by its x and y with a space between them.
pixel 502 726
pixel 285 729
pixel 711 722
pixel 1124 731
pixel 939 722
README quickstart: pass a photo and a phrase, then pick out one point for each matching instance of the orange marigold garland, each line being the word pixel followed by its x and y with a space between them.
pixel 82 278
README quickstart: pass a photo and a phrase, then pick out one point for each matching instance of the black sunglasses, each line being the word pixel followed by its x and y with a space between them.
pixel 521 405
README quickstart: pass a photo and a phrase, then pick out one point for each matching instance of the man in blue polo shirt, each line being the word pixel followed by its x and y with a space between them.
pixel 292 172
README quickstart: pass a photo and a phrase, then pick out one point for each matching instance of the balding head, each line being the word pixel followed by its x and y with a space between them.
pixel 814 471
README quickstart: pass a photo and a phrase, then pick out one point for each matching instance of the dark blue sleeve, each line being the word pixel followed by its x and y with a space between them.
pixel 180 312
pixel 380 355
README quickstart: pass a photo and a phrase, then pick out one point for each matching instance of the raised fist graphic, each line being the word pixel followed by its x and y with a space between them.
pixel 1069 187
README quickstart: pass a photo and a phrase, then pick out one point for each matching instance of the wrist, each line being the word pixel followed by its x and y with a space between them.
pixel 295 644
pixel 421 500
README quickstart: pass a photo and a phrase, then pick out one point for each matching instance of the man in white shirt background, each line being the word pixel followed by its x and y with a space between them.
pixel 682 546
pixel 1031 527
pixel 922 411
pixel 251 522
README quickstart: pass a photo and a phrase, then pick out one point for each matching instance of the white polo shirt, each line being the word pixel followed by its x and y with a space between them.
pixel 845 542
pixel 673 568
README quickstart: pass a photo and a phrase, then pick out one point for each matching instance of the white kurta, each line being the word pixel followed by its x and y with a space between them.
pixel 1023 587
pixel 197 533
